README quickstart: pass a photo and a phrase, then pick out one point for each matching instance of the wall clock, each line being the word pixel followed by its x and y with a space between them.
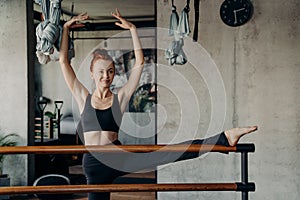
pixel 236 12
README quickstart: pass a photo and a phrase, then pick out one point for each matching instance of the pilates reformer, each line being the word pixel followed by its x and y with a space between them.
pixel 244 186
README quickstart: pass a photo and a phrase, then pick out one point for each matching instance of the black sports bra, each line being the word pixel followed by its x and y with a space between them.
pixel 101 120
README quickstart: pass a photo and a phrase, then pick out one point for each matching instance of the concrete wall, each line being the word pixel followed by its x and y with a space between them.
pixel 13 82
pixel 259 65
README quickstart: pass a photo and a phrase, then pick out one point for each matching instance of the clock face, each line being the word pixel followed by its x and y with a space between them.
pixel 236 12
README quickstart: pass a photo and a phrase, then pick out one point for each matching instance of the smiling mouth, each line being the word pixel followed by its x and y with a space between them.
pixel 105 81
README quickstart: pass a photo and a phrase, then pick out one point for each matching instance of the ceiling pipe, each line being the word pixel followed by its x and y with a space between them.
pixel 106 26
pixel 105 38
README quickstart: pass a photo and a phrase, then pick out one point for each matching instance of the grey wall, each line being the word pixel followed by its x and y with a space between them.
pixel 259 65
pixel 13 82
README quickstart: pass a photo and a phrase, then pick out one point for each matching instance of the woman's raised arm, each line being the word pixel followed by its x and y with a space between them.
pixel 129 88
pixel 78 90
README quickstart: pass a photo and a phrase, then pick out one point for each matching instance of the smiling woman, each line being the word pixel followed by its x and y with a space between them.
pixel 99 109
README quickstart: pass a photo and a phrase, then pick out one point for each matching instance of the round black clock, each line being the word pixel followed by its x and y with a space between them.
pixel 236 12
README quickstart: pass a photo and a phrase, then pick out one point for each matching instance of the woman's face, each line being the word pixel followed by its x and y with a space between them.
pixel 103 72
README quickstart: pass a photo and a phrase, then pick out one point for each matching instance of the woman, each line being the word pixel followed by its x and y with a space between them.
pixel 101 111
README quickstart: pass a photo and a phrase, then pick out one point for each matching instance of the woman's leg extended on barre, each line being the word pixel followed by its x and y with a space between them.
pixel 227 138
pixel 139 161
pixel 219 139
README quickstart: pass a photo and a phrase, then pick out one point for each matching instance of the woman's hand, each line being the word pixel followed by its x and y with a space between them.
pixel 124 23
pixel 72 23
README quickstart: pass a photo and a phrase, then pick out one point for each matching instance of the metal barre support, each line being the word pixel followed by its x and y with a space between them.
pixel 245 147
pixel 242 187
pixel 244 173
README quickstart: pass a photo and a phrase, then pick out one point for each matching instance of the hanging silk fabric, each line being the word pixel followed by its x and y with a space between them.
pixel 179 28
pixel 49 31
pixel 183 26
pixel 174 18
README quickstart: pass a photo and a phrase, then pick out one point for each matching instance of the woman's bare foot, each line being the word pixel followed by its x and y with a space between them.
pixel 234 135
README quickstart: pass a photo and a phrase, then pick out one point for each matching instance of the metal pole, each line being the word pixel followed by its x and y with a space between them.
pixel 42 126
pixel 58 123
pixel 42 105
pixel 58 105
pixel 244 170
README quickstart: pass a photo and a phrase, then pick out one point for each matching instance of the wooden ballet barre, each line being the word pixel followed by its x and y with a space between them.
pixel 70 149
pixel 63 189
pixel 244 186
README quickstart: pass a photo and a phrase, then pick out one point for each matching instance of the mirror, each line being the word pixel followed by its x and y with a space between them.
pixel 139 123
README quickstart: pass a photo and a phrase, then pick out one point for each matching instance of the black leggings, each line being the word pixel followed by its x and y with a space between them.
pixel 105 168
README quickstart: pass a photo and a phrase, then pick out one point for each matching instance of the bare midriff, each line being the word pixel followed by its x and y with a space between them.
pixel 100 137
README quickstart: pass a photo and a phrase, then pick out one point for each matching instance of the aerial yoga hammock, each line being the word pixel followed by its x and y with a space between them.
pixel 48 32
pixel 179 28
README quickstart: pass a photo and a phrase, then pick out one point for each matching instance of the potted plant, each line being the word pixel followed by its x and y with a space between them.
pixel 6 140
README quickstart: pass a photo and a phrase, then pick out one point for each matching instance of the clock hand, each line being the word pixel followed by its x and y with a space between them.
pixel 235 19
pixel 238 10
pixel 234 12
